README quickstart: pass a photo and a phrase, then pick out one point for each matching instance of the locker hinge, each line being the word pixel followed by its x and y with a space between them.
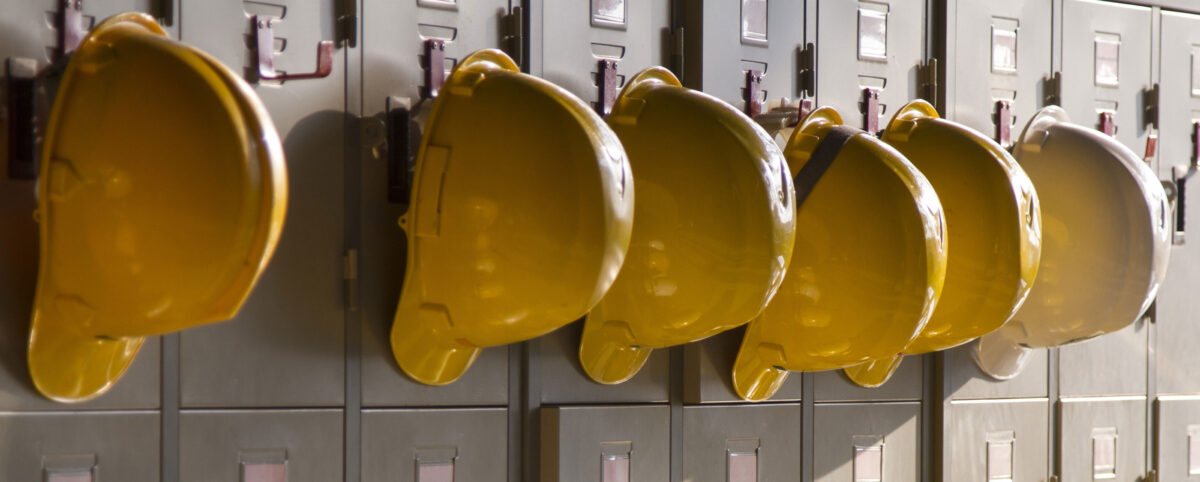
pixel 1151 476
pixel 1150 105
pixel 808 70
pixel 1053 89
pixel 928 80
pixel 347 22
pixel 676 38
pixel 164 12
pixel 350 275
pixel 512 31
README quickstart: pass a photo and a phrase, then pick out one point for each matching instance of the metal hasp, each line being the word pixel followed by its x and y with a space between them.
pixel 1004 120
pixel 71 31
pixel 264 47
pixel 403 141
pixel 434 65
pixel 752 93
pixel 606 81
pixel 24 136
pixel 870 110
pixel 1108 123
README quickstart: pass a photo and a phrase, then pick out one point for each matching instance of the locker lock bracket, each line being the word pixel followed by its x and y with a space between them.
pixel 264 51
pixel 1004 120
pixel 403 138
pixel 1108 123
pixel 606 82
pixel 752 93
pixel 870 110
pixel 434 65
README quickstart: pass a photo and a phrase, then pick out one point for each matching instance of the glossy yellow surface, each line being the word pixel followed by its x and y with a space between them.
pixel 161 198
pixel 868 266
pixel 714 227
pixel 520 217
pixel 992 219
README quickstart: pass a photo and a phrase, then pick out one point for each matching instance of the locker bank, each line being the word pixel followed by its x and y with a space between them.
pixel 599 240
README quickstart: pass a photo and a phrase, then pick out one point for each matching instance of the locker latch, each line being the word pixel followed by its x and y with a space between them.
pixel 1053 88
pixel 1003 119
pixel 71 31
pixel 434 65
pixel 928 72
pixel 512 28
pixel 264 50
pixel 808 69
pixel 752 93
pixel 870 110
pixel 606 81
pixel 1108 123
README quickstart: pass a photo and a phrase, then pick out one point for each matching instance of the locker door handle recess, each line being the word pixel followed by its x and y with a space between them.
pixel 263 465
pixel 868 458
pixel 614 461
pixel 69 468
pixel 741 460
pixel 435 464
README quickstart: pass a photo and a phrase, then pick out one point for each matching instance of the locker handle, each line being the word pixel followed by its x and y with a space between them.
pixel 1004 120
pixel 264 47
pixel 606 81
pixel 870 110
pixel 752 93
pixel 1108 123
pixel 71 31
pixel 434 66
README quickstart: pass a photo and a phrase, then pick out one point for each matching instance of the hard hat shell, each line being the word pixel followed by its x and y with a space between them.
pixel 715 223
pixel 869 260
pixel 993 221
pixel 520 217
pixel 162 195
pixel 1105 241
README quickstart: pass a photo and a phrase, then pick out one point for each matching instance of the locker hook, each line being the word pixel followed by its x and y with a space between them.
pixel 264 47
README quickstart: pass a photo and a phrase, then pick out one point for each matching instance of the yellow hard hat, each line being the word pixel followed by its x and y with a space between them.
pixel 1105 241
pixel 869 261
pixel 161 197
pixel 993 220
pixel 715 223
pixel 521 210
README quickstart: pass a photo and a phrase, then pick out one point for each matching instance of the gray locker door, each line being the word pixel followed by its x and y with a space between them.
pixel 1112 364
pixel 884 56
pixel 260 446
pixel 708 371
pixel 26 32
pixel 1178 438
pixel 1000 53
pixel 967 382
pixel 905 384
pixel 554 360
pixel 606 444
pixel 1102 439
pixel 393 33
pixel 577 34
pixel 1106 65
pixel 443 445
pixel 999 440
pixel 1179 108
pixel 286 346
pixel 107 446
pixel 867 442
pixel 736 36
pixel 746 443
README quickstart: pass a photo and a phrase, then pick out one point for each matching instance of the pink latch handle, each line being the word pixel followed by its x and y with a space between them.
pixel 1108 123
pixel 265 51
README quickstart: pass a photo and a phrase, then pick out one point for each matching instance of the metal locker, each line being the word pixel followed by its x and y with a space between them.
pixel 747 53
pixel 998 440
pixel 79 447
pixel 606 444
pixel 1106 67
pixel 708 371
pixel 1177 432
pixel 1178 114
pixel 745 443
pixel 866 442
pixel 905 384
pixel 442 445
pixel 575 43
pixel 394 35
pixel 260 445
pixel 1102 438
pixel 555 358
pixel 30 31
pixel 868 54
pixel 286 346
pixel 998 62
pixel 966 382
pixel 1113 364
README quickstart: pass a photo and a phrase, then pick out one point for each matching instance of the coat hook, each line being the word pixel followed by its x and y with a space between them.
pixel 265 50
